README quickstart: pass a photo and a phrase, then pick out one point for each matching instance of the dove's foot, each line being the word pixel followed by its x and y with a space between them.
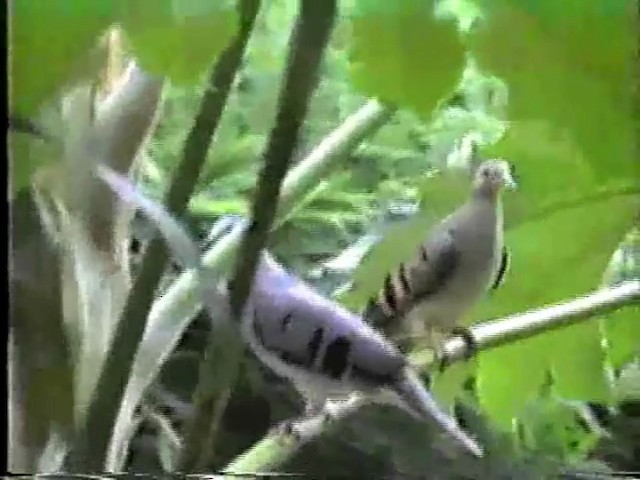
pixel 469 340
pixel 471 345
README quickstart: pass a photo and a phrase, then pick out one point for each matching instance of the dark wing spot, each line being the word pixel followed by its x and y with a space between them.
pixel 336 357
pixel 289 358
pixel 403 276
pixel 286 322
pixel 257 328
pixel 502 269
pixel 135 246
pixel 443 269
pixel 314 344
pixel 376 312
pixel 389 293
pixel 373 378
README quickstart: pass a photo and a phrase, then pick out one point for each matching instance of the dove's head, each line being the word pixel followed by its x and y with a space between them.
pixel 493 175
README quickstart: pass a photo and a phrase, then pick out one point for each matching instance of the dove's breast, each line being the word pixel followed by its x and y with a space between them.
pixel 479 246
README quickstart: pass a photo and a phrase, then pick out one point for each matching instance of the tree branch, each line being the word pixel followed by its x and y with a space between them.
pixel 488 335
pixel 219 367
pixel 274 449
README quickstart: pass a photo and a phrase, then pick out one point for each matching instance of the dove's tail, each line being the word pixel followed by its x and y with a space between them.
pixel 420 402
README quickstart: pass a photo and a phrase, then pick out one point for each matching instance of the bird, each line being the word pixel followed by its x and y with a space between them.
pixel 464 257
pixel 330 353
pixel 326 351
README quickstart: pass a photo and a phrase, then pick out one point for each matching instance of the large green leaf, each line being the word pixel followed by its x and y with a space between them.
pixel 402 54
pixel 559 256
pixel 47 39
pixel 568 62
pixel 178 38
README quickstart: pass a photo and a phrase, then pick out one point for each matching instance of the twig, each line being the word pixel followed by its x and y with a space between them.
pixel 307 44
pixel 89 455
pixel 274 449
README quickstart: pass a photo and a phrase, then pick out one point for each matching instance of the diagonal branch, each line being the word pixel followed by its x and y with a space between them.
pixel 274 449
pixel 219 367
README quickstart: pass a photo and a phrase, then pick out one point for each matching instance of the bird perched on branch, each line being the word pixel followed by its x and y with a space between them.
pixel 463 257
pixel 330 353
pixel 326 351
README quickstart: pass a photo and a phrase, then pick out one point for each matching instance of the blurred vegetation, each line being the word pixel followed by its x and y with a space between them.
pixel 544 84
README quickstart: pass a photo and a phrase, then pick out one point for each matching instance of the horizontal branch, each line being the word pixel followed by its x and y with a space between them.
pixel 275 449
pixel 525 325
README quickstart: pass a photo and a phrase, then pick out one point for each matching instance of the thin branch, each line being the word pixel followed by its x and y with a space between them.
pixel 274 449
pixel 525 325
pixel 90 455
pixel 307 45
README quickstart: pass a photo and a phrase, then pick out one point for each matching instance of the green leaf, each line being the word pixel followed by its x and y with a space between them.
pixel 567 62
pixel 178 38
pixel 552 428
pixel 502 388
pixel 47 39
pixel 553 258
pixel 402 54
pixel 622 331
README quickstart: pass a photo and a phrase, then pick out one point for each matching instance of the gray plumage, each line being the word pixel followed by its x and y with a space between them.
pixel 461 260
pixel 328 352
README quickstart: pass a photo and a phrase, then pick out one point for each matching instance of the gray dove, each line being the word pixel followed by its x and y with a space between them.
pixel 462 259
pixel 330 353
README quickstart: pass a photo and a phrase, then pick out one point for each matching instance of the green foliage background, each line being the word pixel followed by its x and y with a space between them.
pixel 544 84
